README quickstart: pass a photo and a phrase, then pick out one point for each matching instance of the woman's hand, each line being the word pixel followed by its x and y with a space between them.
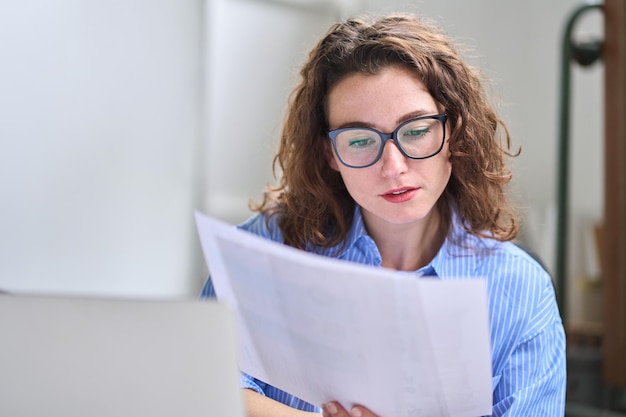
pixel 334 409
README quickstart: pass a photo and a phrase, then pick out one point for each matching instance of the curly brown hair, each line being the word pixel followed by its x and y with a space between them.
pixel 311 198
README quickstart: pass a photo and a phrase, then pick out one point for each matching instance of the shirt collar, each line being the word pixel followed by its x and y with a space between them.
pixel 357 241
pixel 357 230
pixel 356 233
pixel 459 251
pixel 459 246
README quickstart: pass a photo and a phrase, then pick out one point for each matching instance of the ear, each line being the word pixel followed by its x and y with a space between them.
pixel 329 153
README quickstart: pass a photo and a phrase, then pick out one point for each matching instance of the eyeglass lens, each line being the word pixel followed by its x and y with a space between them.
pixel 419 138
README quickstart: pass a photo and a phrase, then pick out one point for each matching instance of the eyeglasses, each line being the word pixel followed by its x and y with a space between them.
pixel 419 138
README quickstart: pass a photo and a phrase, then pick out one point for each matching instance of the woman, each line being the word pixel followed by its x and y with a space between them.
pixel 392 156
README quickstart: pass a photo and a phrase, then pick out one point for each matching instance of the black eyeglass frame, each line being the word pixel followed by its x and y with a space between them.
pixel 443 118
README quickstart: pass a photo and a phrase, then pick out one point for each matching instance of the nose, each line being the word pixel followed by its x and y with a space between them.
pixel 393 162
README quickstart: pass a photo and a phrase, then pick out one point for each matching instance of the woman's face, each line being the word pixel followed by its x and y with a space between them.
pixel 396 189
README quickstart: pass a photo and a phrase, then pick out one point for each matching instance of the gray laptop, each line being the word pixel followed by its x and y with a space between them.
pixel 73 356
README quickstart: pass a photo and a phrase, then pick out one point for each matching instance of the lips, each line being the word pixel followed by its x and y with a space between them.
pixel 399 195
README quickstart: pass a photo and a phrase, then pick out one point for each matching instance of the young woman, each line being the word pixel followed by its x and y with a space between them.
pixel 392 156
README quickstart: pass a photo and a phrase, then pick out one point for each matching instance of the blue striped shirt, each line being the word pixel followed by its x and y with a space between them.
pixel 527 335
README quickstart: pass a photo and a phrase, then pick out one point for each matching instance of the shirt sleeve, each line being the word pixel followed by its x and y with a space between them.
pixel 252 383
pixel 276 394
pixel 246 381
pixel 207 290
pixel 532 378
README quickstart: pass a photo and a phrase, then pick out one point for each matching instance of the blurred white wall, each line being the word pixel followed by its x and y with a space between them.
pixel 254 48
pixel 119 118
pixel 99 122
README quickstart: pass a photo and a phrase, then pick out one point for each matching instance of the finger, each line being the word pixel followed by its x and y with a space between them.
pixel 334 409
pixel 360 411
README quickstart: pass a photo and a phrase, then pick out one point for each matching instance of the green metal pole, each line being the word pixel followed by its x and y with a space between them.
pixel 563 158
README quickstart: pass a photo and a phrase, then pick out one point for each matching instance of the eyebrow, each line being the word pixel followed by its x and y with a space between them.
pixel 403 118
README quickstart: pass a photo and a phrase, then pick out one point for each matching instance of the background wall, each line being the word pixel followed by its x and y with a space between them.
pixel 119 118
pixel 99 121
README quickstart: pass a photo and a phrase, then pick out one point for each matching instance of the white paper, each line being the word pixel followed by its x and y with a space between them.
pixel 324 329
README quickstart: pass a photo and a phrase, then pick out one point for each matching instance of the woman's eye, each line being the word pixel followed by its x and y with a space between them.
pixel 415 133
pixel 360 142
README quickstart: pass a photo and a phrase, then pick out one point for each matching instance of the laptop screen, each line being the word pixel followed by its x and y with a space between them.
pixel 72 356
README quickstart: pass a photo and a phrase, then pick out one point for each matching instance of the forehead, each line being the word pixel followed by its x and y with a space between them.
pixel 379 100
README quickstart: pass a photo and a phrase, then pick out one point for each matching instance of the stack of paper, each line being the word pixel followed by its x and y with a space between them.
pixel 324 329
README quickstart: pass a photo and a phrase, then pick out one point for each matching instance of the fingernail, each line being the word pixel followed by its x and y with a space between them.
pixel 355 412
pixel 331 408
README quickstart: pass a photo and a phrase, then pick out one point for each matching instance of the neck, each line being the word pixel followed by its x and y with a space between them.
pixel 409 247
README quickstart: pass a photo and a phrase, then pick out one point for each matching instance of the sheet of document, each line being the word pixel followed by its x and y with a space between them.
pixel 325 329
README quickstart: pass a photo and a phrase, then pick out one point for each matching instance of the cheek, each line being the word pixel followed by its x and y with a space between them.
pixel 355 180
pixel 355 189
pixel 446 158
pixel 441 168
pixel 447 165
